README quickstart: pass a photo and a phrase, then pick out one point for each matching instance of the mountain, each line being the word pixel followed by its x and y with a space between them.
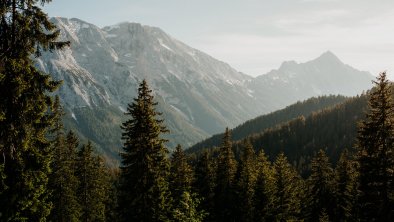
pixel 198 95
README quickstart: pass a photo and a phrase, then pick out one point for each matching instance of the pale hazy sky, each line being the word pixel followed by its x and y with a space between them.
pixel 255 36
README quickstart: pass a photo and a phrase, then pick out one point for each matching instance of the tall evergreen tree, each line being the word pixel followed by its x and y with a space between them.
pixel 63 182
pixel 205 183
pixel 144 191
pixel 225 181
pixel 287 191
pixel 321 187
pixel 375 143
pixel 24 108
pixel 346 188
pixel 181 175
pixel 264 191
pixel 246 183
pixel 93 188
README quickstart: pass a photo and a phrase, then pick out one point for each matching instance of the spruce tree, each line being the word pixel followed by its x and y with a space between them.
pixel 375 144
pixel 246 183
pixel 205 183
pixel 225 181
pixel 25 110
pixel 181 175
pixel 264 191
pixel 346 188
pixel 144 189
pixel 321 187
pixel 62 181
pixel 287 191
pixel 94 185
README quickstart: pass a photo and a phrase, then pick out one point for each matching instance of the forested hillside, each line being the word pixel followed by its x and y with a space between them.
pixel 261 123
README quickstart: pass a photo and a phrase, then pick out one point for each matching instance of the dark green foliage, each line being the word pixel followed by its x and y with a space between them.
pixel 144 194
pixel 375 143
pixel 63 182
pixel 346 188
pixel 261 123
pixel 287 191
pixel 181 175
pixel 94 185
pixel 246 182
pixel 225 181
pixel 321 190
pixel 24 111
pixel 187 209
pixel 205 182
pixel 25 150
pixel 264 191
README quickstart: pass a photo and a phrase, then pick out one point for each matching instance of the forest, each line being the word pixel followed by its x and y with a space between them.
pixel 46 174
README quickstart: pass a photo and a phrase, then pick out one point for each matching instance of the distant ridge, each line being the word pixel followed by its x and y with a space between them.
pixel 198 95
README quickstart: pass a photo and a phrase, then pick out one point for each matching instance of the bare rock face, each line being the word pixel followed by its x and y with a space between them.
pixel 198 94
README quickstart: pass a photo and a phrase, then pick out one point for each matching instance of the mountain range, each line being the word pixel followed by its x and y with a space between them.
pixel 198 94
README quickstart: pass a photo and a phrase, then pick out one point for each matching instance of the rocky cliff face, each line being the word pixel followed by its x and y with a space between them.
pixel 198 94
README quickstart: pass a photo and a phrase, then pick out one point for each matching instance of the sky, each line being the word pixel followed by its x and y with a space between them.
pixel 256 36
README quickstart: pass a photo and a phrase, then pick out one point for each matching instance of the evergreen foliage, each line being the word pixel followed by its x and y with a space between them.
pixel 181 175
pixel 375 143
pixel 287 191
pixel 93 186
pixel 25 110
pixel 204 184
pixel 144 189
pixel 346 188
pixel 225 181
pixel 246 182
pixel 264 191
pixel 187 209
pixel 321 188
pixel 63 182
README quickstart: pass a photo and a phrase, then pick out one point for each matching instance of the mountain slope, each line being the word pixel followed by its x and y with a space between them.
pixel 264 122
pixel 198 95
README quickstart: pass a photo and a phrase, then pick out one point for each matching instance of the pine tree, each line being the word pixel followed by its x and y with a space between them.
pixel 187 209
pixel 63 182
pixel 181 175
pixel 246 184
pixel 321 187
pixel 287 190
pixel 375 143
pixel 205 183
pixel 144 191
pixel 346 188
pixel 264 191
pixel 94 186
pixel 225 181
pixel 25 110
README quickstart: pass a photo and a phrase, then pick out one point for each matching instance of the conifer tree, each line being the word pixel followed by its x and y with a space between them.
pixel 25 110
pixel 205 183
pixel 225 181
pixel 264 191
pixel 93 187
pixel 321 187
pixel 181 175
pixel 346 188
pixel 375 143
pixel 63 182
pixel 187 209
pixel 246 184
pixel 144 189
pixel 287 191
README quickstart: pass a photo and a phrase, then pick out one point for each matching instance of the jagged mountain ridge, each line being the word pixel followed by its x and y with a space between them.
pixel 198 94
